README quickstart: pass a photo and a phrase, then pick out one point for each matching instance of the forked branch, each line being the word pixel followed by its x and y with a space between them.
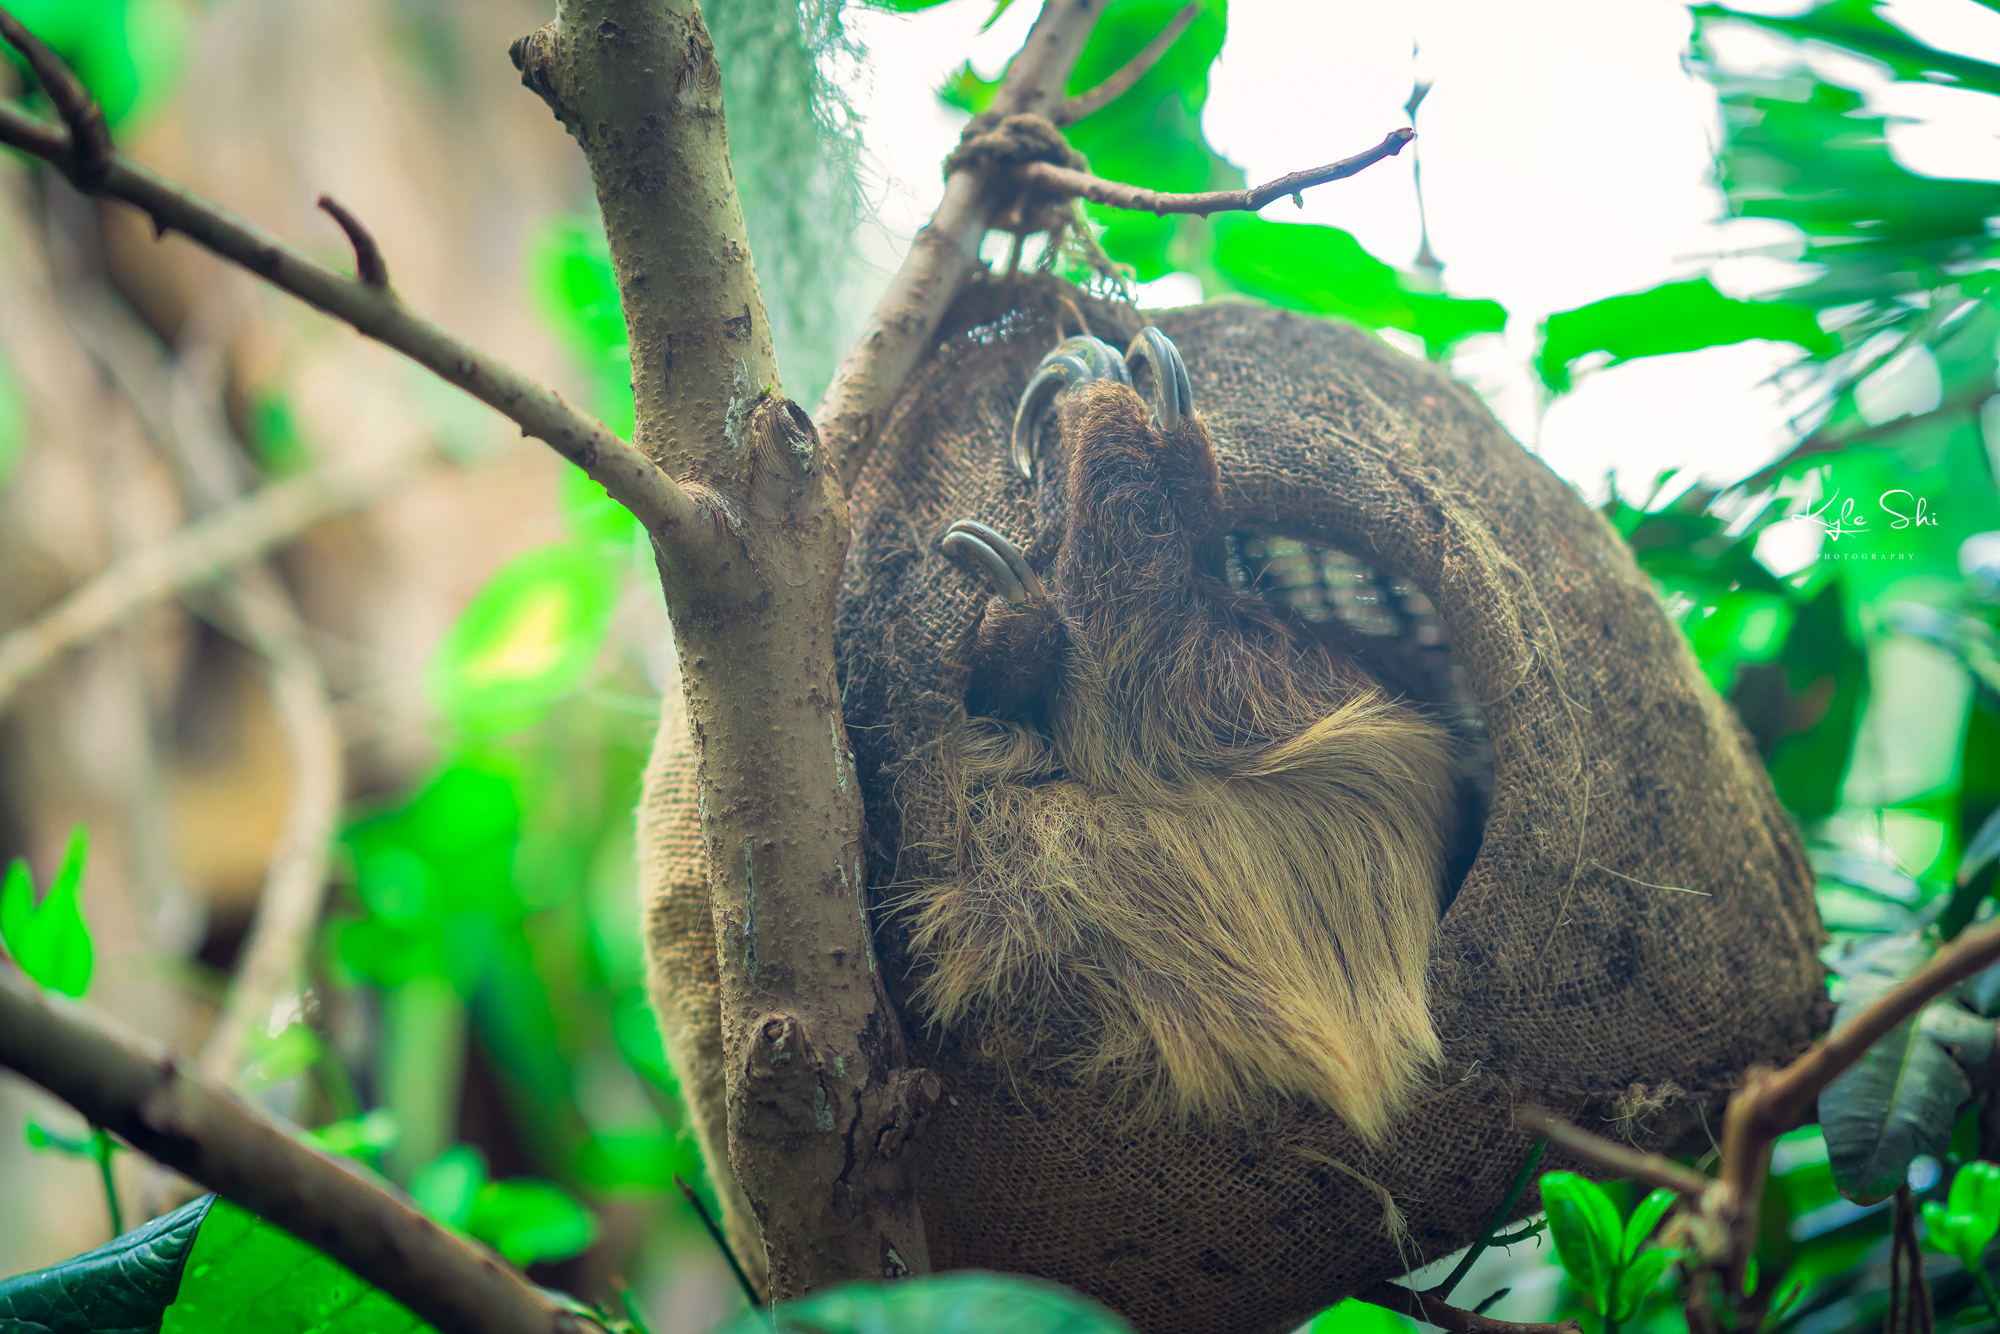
pixel 1048 178
pixel 633 479
pixel 1720 1214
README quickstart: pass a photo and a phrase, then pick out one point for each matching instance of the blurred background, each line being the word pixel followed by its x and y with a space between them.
pixel 1751 245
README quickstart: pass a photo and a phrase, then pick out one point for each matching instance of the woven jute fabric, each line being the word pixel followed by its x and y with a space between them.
pixel 1637 929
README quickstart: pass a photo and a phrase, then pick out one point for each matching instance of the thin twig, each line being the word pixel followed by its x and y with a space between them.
pixel 198 553
pixel 1048 178
pixel 1133 70
pixel 634 480
pixel 1631 1164
pixel 89 137
pixel 944 254
pixel 368 263
pixel 162 1107
pixel 721 1244
pixel 1434 1310
pixel 1491 1235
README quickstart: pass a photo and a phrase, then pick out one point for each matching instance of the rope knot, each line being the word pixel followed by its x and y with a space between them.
pixel 993 141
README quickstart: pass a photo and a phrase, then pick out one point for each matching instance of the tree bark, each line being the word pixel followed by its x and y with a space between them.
pixel 820 1100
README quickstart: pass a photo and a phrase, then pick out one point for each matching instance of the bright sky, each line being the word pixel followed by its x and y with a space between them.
pixel 1565 154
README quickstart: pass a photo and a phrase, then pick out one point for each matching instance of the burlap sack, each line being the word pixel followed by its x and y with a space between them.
pixel 1637 929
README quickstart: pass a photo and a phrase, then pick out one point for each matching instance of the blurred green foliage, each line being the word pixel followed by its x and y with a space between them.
pixel 486 933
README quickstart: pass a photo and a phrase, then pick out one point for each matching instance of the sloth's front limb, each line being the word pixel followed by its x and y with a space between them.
pixel 1015 650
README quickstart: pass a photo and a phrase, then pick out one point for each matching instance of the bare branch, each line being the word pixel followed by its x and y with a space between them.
pixel 198 553
pixel 368 265
pixel 1048 178
pixel 89 137
pixel 1434 1310
pixel 1135 69
pixel 632 479
pixel 1651 1168
pixel 944 254
pixel 149 1098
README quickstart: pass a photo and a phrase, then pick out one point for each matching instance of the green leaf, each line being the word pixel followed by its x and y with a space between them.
pixel 245 1276
pixel 966 91
pixel 963 1303
pixel 120 1288
pixel 42 1140
pixel 1640 1226
pixel 51 943
pixel 1900 1098
pixel 447 1187
pixel 1583 1223
pixel 1355 1316
pixel 1975 1197
pixel 1640 1277
pixel 1325 271
pixel 529 1221
pixel 526 640
pixel 1675 317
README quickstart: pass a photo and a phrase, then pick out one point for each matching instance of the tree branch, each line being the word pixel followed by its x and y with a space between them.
pixel 196 554
pixel 150 1099
pixel 1048 178
pixel 1721 1213
pixel 632 479
pixel 1434 1310
pixel 90 137
pixel 1629 1164
pixel 944 254
pixel 820 1103
pixel 1104 94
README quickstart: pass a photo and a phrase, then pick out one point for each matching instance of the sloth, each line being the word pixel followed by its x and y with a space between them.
pixel 1205 833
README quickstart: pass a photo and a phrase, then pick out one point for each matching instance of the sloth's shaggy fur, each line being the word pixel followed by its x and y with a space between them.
pixel 1202 850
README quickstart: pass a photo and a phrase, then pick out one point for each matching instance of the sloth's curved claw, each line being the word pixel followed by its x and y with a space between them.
pixel 1074 361
pixel 1173 395
pixel 1013 578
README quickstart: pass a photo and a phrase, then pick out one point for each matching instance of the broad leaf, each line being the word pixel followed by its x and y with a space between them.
pixel 1640 1277
pixel 1675 317
pixel 1640 1226
pixel 245 1276
pixel 963 1303
pixel 1900 1098
pixel 1324 270
pixel 121 1288
pixel 1584 1225
pixel 51 943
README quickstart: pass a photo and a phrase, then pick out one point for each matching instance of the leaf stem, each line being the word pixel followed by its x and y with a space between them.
pixel 101 1149
pixel 1486 1238
pixel 1986 1290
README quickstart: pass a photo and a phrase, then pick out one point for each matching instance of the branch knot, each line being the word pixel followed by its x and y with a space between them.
pixel 994 141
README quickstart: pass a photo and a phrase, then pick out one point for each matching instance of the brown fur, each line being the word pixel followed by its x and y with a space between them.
pixel 1202 850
